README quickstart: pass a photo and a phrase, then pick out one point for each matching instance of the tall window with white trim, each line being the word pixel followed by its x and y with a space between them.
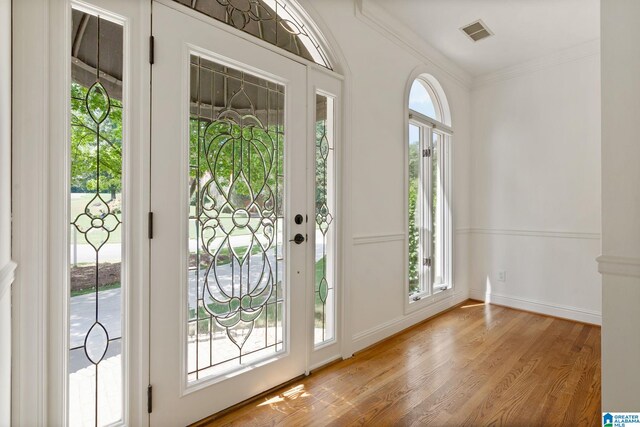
pixel 429 190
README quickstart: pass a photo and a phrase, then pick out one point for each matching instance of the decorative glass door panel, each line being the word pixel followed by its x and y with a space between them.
pixel 228 312
pixel 236 187
pixel 95 390
pixel 325 298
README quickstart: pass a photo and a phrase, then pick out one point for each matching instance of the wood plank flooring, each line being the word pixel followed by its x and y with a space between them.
pixel 476 365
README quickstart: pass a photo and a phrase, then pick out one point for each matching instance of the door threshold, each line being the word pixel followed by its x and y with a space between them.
pixel 206 421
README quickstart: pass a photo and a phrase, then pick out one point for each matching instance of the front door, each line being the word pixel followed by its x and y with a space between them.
pixel 227 280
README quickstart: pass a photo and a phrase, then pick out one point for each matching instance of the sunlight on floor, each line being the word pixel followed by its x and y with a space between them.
pixel 480 304
pixel 291 394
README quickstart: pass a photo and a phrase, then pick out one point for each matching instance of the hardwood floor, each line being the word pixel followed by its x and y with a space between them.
pixel 473 366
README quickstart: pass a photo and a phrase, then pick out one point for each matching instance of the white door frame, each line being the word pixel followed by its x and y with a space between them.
pixel 41 61
pixel 6 265
pixel 39 116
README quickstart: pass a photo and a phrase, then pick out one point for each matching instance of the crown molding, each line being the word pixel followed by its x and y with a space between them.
pixel 397 32
pixel 618 266
pixel 575 53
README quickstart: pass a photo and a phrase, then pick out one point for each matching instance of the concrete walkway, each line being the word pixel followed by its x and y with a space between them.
pixel 83 307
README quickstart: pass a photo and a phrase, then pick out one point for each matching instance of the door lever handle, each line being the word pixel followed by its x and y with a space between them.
pixel 298 239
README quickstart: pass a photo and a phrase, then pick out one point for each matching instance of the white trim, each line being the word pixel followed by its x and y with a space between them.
pixel 379 238
pixel 6 277
pixel 531 233
pixel 331 88
pixel 618 266
pixel 419 73
pixel 371 336
pixel 30 211
pixel 39 158
pixel 324 362
pixel 428 121
pixel 397 32
pixel 575 53
pixel 556 310
pixel 59 38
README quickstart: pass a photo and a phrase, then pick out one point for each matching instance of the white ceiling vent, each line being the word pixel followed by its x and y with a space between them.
pixel 477 31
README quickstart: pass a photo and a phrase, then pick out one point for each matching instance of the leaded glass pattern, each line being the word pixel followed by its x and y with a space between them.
pixel 236 296
pixel 273 21
pixel 96 218
pixel 324 329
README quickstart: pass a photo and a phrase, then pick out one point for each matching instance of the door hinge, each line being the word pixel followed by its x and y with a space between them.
pixel 426 152
pixel 149 399
pixel 150 221
pixel 152 52
pixel 427 262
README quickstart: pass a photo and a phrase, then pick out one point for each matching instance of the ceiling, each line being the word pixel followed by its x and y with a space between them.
pixel 524 29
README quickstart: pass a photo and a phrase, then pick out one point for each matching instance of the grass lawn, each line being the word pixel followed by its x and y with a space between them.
pixel 90 290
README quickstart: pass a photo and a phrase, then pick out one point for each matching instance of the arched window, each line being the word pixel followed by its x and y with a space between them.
pixel 278 22
pixel 421 100
pixel 429 189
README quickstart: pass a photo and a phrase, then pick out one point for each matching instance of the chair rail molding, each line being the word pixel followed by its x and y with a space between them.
pixel 369 239
pixel 6 277
pixel 618 266
pixel 562 234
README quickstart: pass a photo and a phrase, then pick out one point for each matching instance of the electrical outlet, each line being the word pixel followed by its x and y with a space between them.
pixel 502 276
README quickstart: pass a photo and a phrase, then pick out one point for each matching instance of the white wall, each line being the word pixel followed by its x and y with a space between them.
pixel 536 186
pixel 620 263
pixel 6 269
pixel 379 70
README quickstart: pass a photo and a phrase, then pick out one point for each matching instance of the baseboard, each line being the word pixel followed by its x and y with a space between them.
pixel 371 336
pixel 555 310
pixel 325 363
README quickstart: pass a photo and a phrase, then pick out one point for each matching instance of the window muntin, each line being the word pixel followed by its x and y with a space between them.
pixel 274 21
pixel 429 233
pixel 95 363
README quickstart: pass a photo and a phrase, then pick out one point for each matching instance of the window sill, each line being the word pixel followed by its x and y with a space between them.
pixel 411 305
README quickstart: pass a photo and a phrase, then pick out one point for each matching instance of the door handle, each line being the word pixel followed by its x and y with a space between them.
pixel 298 239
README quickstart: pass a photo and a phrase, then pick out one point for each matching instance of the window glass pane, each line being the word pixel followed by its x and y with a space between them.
pixel 420 100
pixel 325 298
pixel 236 290
pixel 273 21
pixel 414 210
pixel 96 222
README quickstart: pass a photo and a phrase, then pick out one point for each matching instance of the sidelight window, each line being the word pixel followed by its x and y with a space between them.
pixel 95 362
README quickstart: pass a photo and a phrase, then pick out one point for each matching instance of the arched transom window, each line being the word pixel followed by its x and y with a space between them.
pixel 278 22
pixel 429 190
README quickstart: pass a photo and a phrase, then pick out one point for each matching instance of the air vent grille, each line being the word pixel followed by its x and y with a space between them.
pixel 477 31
